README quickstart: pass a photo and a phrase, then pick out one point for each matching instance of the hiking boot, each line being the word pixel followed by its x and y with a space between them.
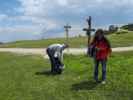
pixel 103 82
pixel 97 81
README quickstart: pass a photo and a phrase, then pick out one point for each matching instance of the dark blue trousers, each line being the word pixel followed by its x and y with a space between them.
pixel 55 62
pixel 52 60
pixel 97 63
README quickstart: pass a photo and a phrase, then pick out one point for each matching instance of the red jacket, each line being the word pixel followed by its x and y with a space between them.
pixel 104 51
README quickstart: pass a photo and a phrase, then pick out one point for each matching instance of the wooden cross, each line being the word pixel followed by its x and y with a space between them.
pixel 89 29
pixel 67 27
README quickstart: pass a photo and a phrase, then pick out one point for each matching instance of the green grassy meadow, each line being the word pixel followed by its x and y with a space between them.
pixel 117 40
pixel 19 81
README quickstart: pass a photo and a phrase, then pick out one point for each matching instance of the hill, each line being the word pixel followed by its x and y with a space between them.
pixel 120 39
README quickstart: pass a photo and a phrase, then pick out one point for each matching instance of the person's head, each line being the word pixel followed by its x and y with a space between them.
pixel 99 34
pixel 65 46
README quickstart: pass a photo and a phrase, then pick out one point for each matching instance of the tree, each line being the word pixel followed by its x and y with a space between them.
pixel 128 27
pixel 113 28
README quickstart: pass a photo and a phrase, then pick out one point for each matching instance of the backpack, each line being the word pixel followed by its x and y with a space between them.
pixel 91 51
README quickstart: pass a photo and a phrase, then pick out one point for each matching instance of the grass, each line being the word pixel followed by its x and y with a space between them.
pixel 73 42
pixel 119 40
pixel 19 81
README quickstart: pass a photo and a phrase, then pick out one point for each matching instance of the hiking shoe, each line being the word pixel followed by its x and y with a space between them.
pixel 62 67
pixel 97 81
pixel 103 82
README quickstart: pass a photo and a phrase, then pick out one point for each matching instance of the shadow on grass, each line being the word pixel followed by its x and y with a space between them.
pixel 48 73
pixel 85 85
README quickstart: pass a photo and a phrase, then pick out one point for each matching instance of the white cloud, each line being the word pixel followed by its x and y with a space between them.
pixel 26 24
pixel 20 29
pixel 45 15
pixel 62 2
pixel 48 8
pixel 3 16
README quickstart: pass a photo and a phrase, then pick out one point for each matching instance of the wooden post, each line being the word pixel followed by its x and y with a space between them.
pixel 67 27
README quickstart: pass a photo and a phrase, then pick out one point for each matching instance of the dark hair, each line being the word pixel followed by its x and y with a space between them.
pixel 101 32
pixel 65 46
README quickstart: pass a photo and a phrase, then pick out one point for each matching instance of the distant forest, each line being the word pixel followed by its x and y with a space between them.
pixel 128 27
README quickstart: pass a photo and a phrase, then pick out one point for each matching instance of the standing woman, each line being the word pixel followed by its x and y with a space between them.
pixel 102 51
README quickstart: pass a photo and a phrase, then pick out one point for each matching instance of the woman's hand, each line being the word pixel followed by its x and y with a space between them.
pixel 98 49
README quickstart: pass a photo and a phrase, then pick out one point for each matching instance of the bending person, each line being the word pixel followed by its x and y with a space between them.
pixel 55 53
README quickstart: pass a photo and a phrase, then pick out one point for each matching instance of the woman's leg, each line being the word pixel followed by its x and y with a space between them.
pixel 104 63
pixel 96 70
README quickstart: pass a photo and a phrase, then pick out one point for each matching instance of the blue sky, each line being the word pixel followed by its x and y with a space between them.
pixel 34 19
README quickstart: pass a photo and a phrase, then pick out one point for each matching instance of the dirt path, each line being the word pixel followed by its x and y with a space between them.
pixel 41 51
